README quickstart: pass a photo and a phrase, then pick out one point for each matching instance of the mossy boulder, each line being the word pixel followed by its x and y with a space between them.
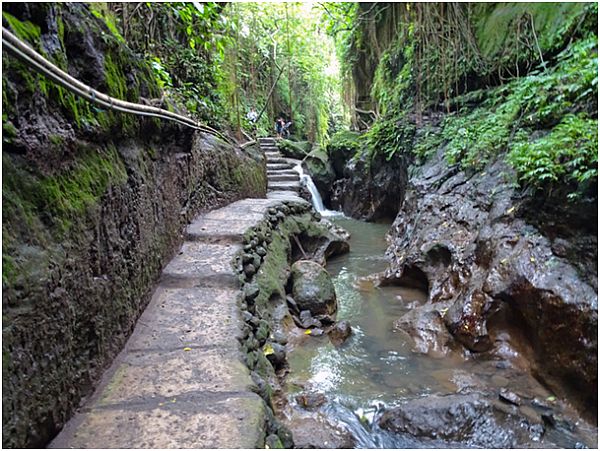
pixel 294 149
pixel 312 289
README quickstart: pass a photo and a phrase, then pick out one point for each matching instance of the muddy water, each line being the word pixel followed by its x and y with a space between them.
pixel 375 369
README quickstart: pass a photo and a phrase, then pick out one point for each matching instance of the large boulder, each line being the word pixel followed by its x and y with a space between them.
pixel 312 289
pixel 294 149
pixel 469 420
pixel 372 188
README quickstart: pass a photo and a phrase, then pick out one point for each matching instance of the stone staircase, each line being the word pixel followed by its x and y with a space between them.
pixel 280 173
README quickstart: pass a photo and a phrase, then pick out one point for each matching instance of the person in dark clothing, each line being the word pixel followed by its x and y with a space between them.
pixel 279 126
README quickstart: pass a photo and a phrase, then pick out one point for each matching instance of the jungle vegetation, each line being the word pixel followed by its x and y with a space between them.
pixel 403 79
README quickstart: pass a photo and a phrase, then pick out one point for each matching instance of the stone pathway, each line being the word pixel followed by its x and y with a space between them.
pixel 180 381
pixel 280 173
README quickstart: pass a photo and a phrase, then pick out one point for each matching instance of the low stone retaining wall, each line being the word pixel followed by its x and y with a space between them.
pixel 198 370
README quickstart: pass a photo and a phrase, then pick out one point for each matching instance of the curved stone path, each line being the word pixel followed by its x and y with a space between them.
pixel 180 381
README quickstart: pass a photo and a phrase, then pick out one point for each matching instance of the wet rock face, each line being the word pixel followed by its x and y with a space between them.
pixel 370 190
pixel 424 324
pixel 340 332
pixel 468 420
pixel 312 289
pixel 464 237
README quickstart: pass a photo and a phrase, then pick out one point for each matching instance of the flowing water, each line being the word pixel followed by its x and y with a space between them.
pixel 376 369
pixel 317 201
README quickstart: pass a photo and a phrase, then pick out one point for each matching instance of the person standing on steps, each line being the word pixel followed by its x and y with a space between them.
pixel 279 127
pixel 252 117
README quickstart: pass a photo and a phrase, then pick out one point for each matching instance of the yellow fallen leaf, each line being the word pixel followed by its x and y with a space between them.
pixel 510 210
pixel 503 261
pixel 268 349
pixel 187 349
pixel 532 259
pixel 551 398
pixel 307 332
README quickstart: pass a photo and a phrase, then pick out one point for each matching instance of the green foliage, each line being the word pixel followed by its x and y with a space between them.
pixel 346 141
pixel 100 11
pixel 475 138
pixel 504 120
pixel 23 29
pixel 568 154
pixel 391 136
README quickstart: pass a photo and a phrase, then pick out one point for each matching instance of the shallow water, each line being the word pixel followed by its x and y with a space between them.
pixel 375 368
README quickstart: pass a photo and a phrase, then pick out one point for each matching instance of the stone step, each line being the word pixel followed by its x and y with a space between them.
pixel 277 160
pixel 283 178
pixel 279 166
pixel 284 186
pixel 281 172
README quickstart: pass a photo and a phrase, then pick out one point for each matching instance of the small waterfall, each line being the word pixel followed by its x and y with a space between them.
pixel 317 201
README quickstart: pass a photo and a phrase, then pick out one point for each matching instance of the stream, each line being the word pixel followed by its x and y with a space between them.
pixel 350 386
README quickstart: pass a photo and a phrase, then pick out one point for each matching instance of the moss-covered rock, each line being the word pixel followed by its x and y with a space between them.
pixel 294 149
pixel 312 288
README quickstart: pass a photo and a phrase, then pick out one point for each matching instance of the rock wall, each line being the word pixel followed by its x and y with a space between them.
pixel 264 268
pixel 465 237
pixel 94 204
pixel 371 188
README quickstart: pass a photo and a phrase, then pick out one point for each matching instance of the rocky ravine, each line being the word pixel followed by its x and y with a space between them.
pixel 502 288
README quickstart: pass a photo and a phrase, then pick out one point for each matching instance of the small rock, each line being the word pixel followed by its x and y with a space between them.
pixel 261 251
pixel 509 397
pixel 307 320
pixel 280 337
pixel 310 400
pixel 277 357
pixel 316 332
pixel 249 270
pixel 340 332
pixel 292 304
pixel 251 291
pixel 280 215
pixel 273 442
pixel 247 258
pixel 247 316
pixel 536 402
